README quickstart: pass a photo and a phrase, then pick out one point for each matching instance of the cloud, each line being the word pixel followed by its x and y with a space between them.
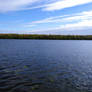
pixel 74 22
pixel 46 5
pixel 79 25
pixel 63 20
pixel 13 5
pixel 83 27
pixel 65 4
pixel 80 16
pixel 59 4
pixel 80 21
pixel 48 20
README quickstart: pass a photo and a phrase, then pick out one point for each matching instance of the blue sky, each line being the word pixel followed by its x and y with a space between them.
pixel 46 16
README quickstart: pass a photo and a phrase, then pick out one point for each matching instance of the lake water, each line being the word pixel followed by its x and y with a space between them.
pixel 45 66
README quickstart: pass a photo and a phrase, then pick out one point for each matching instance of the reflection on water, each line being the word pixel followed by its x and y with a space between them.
pixel 45 66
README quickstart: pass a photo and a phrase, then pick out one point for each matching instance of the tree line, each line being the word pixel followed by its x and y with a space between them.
pixel 48 37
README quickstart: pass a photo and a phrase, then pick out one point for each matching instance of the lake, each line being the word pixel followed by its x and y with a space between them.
pixel 45 66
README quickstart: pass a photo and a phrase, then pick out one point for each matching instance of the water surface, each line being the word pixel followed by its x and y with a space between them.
pixel 45 66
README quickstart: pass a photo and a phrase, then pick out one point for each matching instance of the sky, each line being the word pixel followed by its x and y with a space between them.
pixel 46 17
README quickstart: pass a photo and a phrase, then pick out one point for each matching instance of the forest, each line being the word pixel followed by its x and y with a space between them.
pixel 47 37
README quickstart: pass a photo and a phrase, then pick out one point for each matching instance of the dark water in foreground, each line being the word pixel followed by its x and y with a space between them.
pixel 45 66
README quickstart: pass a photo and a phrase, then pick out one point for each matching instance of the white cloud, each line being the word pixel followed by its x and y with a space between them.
pixel 79 25
pixel 65 4
pixel 75 21
pixel 84 20
pixel 48 20
pixel 55 19
pixel 80 16
pixel 84 27
pixel 65 18
pixel 47 5
pixel 13 5
pixel 60 4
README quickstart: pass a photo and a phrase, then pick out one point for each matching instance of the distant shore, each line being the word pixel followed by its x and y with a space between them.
pixel 46 37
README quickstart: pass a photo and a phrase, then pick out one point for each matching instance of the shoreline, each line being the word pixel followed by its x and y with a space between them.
pixel 45 37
